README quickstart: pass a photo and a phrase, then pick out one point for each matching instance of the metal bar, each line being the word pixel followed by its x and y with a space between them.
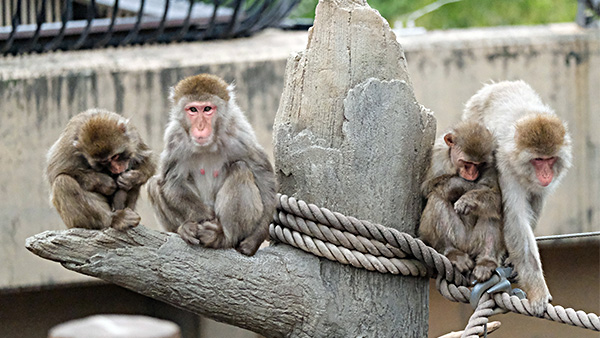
pixel 208 32
pixel 39 21
pixel 91 13
pixel 54 44
pixel 109 32
pixel 254 14
pixel 161 28
pixel 186 24
pixel 235 18
pixel 134 32
pixel 16 20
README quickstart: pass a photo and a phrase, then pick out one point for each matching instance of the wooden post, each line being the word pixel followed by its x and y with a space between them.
pixel 349 136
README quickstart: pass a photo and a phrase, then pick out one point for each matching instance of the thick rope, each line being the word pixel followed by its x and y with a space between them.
pixel 479 318
pixel 375 247
pixel 397 239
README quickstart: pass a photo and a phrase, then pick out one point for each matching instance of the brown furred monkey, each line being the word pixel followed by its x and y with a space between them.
pixel 98 156
pixel 215 186
pixel 463 215
pixel 533 155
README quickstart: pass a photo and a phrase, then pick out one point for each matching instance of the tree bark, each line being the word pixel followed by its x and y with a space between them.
pixel 349 136
pixel 277 293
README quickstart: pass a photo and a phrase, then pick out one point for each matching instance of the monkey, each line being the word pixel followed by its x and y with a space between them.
pixel 215 186
pixel 96 169
pixel 462 218
pixel 533 155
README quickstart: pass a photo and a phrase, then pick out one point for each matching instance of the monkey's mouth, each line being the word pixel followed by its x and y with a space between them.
pixel 201 141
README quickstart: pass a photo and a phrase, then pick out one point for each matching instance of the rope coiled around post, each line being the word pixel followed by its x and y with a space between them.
pixel 375 247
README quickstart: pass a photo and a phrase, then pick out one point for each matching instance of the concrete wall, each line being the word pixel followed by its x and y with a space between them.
pixel 39 93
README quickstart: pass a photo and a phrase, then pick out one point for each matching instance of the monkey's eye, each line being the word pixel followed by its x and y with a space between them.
pixel 194 109
pixel 207 108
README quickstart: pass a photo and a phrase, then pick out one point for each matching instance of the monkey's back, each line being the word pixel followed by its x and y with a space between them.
pixel 499 106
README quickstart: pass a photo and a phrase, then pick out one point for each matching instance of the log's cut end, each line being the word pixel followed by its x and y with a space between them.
pixel 116 326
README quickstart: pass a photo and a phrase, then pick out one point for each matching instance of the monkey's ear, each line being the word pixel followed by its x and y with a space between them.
pixel 449 139
pixel 172 94
pixel 231 91
pixel 122 127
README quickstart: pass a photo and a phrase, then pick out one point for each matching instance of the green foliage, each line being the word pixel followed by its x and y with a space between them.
pixel 468 13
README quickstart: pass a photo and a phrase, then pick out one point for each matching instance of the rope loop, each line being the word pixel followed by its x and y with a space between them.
pixel 375 247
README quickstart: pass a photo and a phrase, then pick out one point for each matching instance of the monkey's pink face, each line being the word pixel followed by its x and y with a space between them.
pixel 468 170
pixel 200 115
pixel 544 170
pixel 116 164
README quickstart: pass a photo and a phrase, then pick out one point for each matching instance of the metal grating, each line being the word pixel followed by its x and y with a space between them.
pixel 47 25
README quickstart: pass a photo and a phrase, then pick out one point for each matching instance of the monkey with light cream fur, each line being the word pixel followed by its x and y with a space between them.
pixel 533 156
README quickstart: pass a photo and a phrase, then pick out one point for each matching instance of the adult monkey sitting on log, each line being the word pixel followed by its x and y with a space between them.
pixel 534 153
pixel 463 215
pixel 215 186
pixel 96 169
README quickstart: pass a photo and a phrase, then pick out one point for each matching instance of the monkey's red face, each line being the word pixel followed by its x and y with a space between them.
pixel 544 169
pixel 116 164
pixel 468 170
pixel 200 115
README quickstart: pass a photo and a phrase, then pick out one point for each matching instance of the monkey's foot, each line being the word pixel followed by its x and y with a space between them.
pixel 250 245
pixel 189 232
pixel 538 300
pixel 125 219
pixel 210 234
pixel 484 269
pixel 461 260
pixel 105 185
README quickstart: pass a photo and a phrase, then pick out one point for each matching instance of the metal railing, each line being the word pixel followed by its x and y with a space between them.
pixel 47 25
pixel 588 13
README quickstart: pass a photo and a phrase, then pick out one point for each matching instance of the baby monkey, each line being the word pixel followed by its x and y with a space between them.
pixel 96 169
pixel 463 215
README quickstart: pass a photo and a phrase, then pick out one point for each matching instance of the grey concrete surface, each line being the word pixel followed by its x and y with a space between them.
pixel 39 93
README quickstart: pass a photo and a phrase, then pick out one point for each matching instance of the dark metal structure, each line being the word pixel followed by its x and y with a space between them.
pixel 46 25
pixel 588 13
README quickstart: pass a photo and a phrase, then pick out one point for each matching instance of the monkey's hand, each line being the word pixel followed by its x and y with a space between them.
pixel 130 179
pixel 484 269
pixel 461 260
pixel 464 206
pixel 208 233
pixel 98 182
pixel 125 219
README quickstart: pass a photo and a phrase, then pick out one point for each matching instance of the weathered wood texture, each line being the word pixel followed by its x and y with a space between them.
pixel 278 292
pixel 350 136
